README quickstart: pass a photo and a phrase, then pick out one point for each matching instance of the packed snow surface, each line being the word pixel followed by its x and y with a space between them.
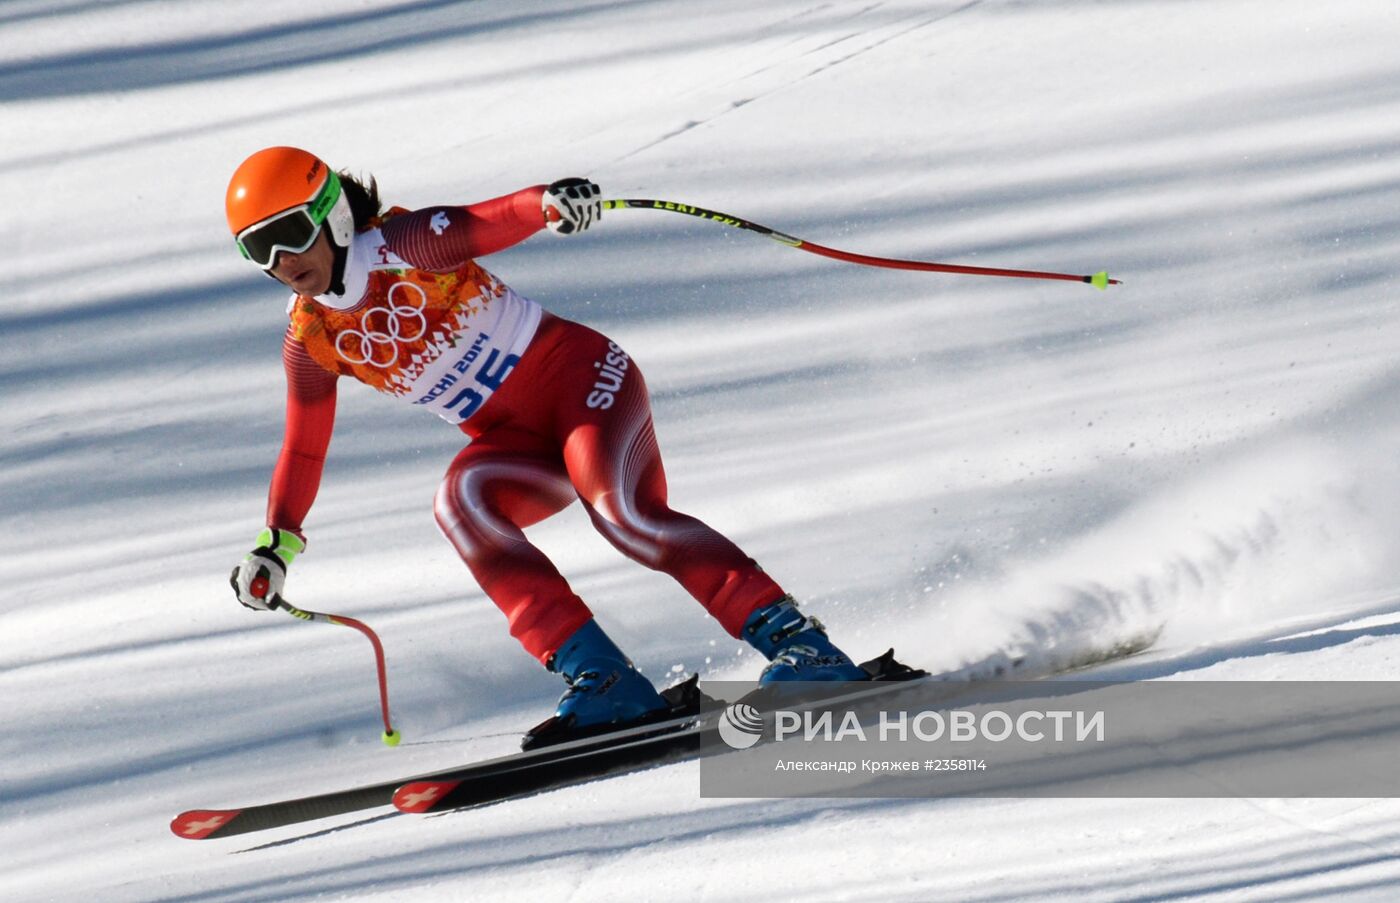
pixel 963 467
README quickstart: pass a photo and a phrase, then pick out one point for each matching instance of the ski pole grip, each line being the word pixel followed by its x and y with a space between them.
pixel 259 588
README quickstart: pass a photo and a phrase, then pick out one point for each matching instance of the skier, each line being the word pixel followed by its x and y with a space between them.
pixel 554 411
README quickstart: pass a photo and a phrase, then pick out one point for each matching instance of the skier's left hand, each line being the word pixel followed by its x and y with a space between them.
pixel 258 579
pixel 572 205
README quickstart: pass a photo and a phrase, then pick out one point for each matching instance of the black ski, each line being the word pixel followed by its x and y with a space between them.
pixel 585 759
pixel 514 777
pixel 205 824
pixel 494 782
pixel 503 780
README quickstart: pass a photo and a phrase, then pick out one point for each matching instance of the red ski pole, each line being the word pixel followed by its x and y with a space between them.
pixel 390 736
pixel 1099 280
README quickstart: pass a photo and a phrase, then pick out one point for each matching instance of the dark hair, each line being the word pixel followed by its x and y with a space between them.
pixel 364 201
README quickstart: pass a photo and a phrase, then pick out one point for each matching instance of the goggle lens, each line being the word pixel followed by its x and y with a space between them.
pixel 292 231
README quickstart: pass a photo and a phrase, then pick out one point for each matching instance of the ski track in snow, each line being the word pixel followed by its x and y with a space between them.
pixel 981 471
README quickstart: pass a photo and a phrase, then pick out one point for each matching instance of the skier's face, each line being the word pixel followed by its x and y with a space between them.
pixel 307 273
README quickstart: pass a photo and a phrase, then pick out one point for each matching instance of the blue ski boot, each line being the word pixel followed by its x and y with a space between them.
pixel 796 646
pixel 605 691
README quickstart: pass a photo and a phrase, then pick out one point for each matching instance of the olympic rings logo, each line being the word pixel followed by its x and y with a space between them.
pixel 382 328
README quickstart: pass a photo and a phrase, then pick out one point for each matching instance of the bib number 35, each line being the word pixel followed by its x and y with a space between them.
pixel 489 377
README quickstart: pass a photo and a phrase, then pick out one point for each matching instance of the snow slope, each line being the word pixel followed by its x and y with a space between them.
pixel 972 466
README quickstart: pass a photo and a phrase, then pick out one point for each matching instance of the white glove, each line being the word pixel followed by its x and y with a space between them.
pixel 572 205
pixel 257 582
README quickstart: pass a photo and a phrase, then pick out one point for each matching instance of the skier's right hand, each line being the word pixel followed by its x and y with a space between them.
pixel 257 581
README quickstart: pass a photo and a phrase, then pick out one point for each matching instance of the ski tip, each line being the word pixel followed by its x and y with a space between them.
pixel 197 824
pixel 420 796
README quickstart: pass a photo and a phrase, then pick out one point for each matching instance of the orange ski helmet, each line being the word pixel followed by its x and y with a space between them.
pixel 279 198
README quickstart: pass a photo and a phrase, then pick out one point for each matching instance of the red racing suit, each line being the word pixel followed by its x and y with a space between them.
pixel 555 412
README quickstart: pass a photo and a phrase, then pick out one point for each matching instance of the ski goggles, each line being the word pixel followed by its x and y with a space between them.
pixel 293 230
